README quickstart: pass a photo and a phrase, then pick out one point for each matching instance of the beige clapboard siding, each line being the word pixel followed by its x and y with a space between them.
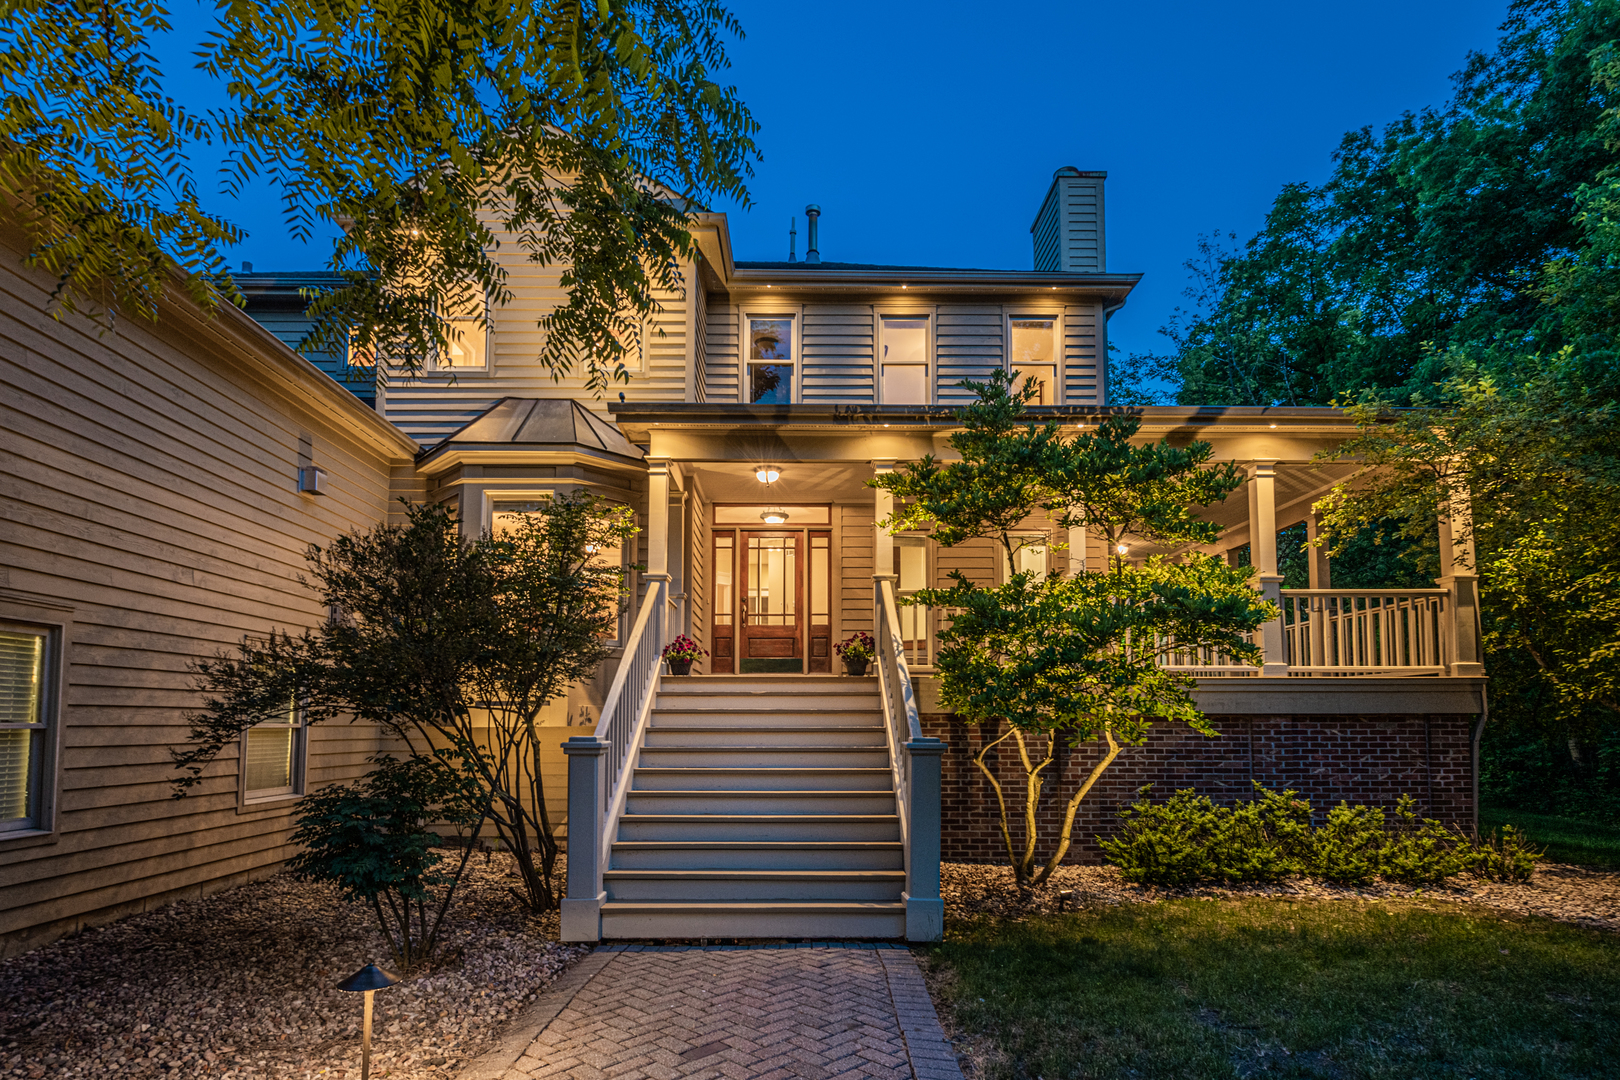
pixel 855 540
pixel 837 353
pixel 433 405
pixel 149 486
pixel 700 340
pixel 720 362
pixel 1083 343
pixel 968 345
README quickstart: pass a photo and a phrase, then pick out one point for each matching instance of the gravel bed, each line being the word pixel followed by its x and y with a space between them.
pixel 1568 893
pixel 241 984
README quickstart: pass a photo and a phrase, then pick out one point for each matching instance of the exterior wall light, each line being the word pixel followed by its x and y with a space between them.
pixel 311 481
pixel 1122 549
pixel 367 980
pixel 765 474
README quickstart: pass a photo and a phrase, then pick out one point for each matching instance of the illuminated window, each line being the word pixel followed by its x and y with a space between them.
pixel 770 360
pixel 1032 353
pixel 469 345
pixel 504 517
pixel 1029 558
pixel 903 350
pixel 24 660
pixel 273 755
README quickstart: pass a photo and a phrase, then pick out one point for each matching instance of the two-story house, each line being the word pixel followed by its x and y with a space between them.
pixel 769 794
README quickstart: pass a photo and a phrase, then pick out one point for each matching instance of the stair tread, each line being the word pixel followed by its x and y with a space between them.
pixel 772 793
pixel 759 768
pixel 758 905
pixel 759 818
pixel 786 748
pixel 760 875
pixel 765 845
pixel 807 729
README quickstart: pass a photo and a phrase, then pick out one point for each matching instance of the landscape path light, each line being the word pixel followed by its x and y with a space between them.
pixel 367 980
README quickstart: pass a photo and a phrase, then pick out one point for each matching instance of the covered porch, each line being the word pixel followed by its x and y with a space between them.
pixel 767 532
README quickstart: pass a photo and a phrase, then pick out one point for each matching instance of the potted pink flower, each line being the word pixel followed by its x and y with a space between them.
pixel 857 651
pixel 681 652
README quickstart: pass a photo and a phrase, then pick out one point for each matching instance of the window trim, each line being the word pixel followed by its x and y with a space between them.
pixel 745 315
pixel 930 350
pixel 1043 540
pixel 252 800
pixel 485 368
pixel 56 621
pixel 1018 312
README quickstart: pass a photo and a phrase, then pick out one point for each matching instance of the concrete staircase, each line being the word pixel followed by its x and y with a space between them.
pixel 760 806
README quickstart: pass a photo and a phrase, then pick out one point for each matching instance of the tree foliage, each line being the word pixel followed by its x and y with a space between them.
pixel 580 134
pixel 1071 659
pixel 454 646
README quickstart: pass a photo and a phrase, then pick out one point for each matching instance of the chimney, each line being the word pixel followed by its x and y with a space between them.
pixel 1068 232
pixel 812 250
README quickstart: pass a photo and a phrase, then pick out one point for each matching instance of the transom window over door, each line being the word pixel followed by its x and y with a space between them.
pixel 903 360
pixel 24 654
pixel 770 360
pixel 1032 353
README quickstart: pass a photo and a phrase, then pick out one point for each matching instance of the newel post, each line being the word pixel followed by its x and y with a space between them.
pixel 1457 577
pixel 587 776
pixel 925 910
pixel 1263 557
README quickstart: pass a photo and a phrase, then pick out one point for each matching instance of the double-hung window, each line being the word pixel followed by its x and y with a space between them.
pixel 273 755
pixel 25 659
pixel 771 356
pixel 1032 353
pixel 903 359
pixel 1028 557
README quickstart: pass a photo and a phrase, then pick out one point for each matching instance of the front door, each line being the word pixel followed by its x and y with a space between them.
pixel 772 603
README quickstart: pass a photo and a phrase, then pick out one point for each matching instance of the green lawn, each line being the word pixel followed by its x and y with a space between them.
pixel 1261 988
pixel 1567 840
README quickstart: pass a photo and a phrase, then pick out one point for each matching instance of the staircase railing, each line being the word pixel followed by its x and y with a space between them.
pixel 601 765
pixel 915 761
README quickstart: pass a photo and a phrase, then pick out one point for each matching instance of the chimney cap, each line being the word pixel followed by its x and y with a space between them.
pixel 812 209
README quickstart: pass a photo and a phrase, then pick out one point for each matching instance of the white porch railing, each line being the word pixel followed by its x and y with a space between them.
pixel 915 761
pixel 601 765
pixel 1366 631
pixel 1326 632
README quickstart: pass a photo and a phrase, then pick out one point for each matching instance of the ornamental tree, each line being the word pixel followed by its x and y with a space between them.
pixel 1072 659
pixel 453 646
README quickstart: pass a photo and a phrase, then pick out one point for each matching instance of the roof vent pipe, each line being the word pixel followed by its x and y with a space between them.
pixel 793 239
pixel 812 249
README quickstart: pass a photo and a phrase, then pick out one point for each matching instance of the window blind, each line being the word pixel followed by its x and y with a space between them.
pixel 22 677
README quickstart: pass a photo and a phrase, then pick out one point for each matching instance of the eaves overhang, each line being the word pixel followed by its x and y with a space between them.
pixel 1111 288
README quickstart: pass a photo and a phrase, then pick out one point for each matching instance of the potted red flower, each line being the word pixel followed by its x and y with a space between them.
pixel 681 652
pixel 857 651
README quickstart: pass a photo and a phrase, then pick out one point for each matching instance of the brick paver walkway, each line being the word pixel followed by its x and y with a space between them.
pixel 744 1013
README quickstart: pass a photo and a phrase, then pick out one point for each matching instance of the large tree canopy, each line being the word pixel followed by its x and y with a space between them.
pixel 581 133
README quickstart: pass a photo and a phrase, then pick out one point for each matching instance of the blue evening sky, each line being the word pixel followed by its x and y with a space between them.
pixel 928 132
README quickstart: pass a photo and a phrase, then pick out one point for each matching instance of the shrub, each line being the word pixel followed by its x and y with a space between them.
pixel 1421 851
pixel 371 840
pixel 1507 856
pixel 1166 843
pixel 1188 839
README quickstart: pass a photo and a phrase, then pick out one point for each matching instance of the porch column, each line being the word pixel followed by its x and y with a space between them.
pixel 1321 573
pixel 657 517
pixel 1263 556
pixel 882 539
pixel 1077 550
pixel 1457 577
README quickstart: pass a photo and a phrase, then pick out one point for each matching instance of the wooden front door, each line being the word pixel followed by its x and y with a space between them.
pixel 772 616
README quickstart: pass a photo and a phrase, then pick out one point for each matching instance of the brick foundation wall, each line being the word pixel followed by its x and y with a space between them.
pixel 1361 759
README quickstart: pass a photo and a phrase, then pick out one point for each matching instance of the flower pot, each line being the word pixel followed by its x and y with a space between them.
pixel 855 667
pixel 680 667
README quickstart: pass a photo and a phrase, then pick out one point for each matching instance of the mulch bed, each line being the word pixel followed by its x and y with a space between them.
pixel 1567 893
pixel 241 984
